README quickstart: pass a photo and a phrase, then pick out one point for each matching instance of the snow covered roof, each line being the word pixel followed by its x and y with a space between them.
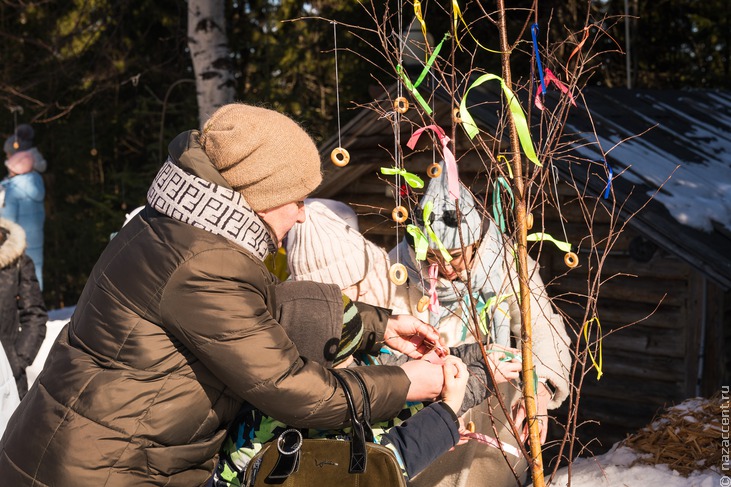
pixel 673 146
pixel 670 156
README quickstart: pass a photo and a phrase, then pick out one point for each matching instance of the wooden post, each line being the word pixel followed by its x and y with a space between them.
pixel 529 387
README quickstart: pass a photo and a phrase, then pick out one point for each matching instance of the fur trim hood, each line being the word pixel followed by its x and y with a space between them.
pixel 14 245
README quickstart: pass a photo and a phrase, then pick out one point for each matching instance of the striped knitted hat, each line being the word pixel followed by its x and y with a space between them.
pixel 352 332
pixel 326 249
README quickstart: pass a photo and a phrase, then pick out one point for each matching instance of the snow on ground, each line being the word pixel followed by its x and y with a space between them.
pixel 615 469
pixel 57 319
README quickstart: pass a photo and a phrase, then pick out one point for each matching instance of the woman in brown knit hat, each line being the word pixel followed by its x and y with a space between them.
pixel 174 330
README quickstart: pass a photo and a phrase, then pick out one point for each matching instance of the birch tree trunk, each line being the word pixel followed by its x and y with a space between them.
pixel 209 51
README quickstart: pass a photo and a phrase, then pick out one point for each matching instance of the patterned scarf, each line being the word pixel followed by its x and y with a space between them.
pixel 487 281
pixel 210 207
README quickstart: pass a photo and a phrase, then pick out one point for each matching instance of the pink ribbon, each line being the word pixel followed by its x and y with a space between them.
pixel 433 298
pixel 487 440
pixel 449 160
pixel 551 78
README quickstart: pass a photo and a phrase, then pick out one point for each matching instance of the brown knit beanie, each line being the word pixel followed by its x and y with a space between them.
pixel 262 154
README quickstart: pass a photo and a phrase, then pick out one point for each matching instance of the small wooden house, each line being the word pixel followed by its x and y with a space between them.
pixel 666 311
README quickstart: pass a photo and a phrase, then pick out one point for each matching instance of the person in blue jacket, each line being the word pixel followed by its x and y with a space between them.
pixel 24 192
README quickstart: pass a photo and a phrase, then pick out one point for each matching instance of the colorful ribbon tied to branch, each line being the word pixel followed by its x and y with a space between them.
pixel 502 158
pixel 488 440
pixel 540 236
pixel 534 34
pixel 507 355
pixel 610 176
pixel 480 307
pixel 497 203
pixel 449 160
pixel 433 295
pixel 516 111
pixel 428 208
pixel 457 15
pixel 413 87
pixel 552 79
pixel 597 364
pixel 487 310
pixel 420 17
pixel 577 48
pixel 411 179
pixel 421 243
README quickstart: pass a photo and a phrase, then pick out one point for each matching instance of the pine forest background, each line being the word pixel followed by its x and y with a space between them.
pixel 106 84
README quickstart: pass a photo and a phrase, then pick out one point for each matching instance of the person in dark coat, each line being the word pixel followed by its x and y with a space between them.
pixel 22 311
pixel 173 332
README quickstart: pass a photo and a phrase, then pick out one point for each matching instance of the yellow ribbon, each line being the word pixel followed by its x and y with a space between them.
pixel 536 237
pixel 457 13
pixel 597 365
pixel 420 18
pixel 505 159
pixel 493 301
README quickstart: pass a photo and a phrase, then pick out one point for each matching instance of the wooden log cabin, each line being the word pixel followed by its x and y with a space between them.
pixel 666 311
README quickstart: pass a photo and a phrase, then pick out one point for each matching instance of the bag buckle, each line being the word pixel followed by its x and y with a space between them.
pixel 289 442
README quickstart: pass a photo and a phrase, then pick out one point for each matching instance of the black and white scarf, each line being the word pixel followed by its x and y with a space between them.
pixel 210 207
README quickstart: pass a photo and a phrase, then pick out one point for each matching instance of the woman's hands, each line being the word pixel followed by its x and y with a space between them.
pixel 427 380
pixel 411 336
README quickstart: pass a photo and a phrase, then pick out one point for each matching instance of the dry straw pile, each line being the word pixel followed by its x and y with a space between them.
pixel 686 438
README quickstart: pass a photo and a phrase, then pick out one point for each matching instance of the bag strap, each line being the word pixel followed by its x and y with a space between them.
pixel 366 418
pixel 291 440
pixel 358 452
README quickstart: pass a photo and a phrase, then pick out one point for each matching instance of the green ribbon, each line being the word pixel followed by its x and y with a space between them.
pixel 411 179
pixel 536 237
pixel 510 356
pixel 421 243
pixel 427 226
pixel 493 301
pixel 521 124
pixel 413 87
pixel 497 205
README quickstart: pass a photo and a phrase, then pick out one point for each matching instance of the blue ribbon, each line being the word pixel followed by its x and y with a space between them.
pixel 609 180
pixel 534 33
